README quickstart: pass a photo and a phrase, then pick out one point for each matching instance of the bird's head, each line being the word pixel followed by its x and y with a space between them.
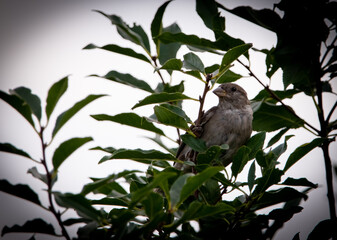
pixel 231 92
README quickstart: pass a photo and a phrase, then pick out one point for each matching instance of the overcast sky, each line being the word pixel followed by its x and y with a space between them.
pixel 41 42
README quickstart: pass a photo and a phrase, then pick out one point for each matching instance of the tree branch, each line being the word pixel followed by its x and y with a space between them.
pixel 154 59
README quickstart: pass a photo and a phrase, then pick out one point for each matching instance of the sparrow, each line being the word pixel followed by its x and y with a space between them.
pixel 230 122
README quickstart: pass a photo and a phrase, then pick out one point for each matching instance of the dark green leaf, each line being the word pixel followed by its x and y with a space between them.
pixel 168 51
pixel 270 117
pixel 172 64
pixel 121 50
pixel 144 38
pixel 176 188
pixel 233 54
pixel 19 105
pixel 212 69
pixel 19 190
pixel 196 144
pixel 264 95
pixel 255 143
pixel 269 178
pixel 207 10
pixel 170 118
pixel 299 182
pixel 251 176
pixel 153 205
pixel 110 202
pixel 277 137
pixel 71 221
pixel 212 154
pixel 177 111
pixel 161 98
pixel 130 119
pixel 33 226
pixel 158 140
pixel 9 148
pixel 66 149
pixel 193 183
pixel 64 117
pixel 193 62
pixel 325 229
pixel 301 151
pixel 228 76
pixel 54 94
pixel 32 100
pixel 278 196
pixel 240 159
pixel 127 79
pixel 79 203
pixel 157 25
pixel 297 236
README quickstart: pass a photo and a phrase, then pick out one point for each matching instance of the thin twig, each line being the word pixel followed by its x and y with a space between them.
pixel 154 59
pixel 49 184
pixel 273 95
pixel 202 99
pixel 331 112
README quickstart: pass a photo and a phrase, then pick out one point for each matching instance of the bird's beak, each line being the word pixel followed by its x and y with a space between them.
pixel 219 92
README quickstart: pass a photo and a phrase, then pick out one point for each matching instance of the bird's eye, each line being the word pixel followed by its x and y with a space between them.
pixel 233 89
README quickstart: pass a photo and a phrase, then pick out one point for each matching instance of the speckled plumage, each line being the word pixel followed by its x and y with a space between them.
pixel 230 122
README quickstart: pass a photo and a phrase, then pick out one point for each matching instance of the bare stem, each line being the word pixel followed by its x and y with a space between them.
pixel 202 98
pixel 330 113
pixel 273 95
pixel 49 184
pixel 154 59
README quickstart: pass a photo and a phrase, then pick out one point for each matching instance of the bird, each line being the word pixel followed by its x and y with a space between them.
pixel 230 122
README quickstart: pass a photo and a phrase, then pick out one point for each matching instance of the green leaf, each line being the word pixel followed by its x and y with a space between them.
pixel 172 64
pixel 110 202
pixel 153 205
pixel 32 100
pixel 79 203
pixel 269 178
pixel 142 155
pixel 66 149
pixel 127 79
pixel 38 175
pixel 20 190
pixel 270 117
pixel 121 50
pixel 240 159
pixel 299 182
pixel 157 25
pixel 233 54
pixel 9 148
pixel 168 51
pixel 162 98
pixel 177 110
pixel 135 34
pixel 255 143
pixel 325 229
pixel 33 226
pixel 64 117
pixel 228 76
pixel 158 141
pixel 130 119
pixel 264 95
pixel 196 144
pixel 170 118
pixel 207 11
pixel 143 192
pixel 277 137
pixel 193 183
pixel 251 176
pixel 19 105
pixel 54 94
pixel 176 188
pixel 301 151
pixel 212 154
pixel 193 62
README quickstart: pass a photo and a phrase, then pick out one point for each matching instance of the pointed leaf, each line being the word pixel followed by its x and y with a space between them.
pixel 265 95
pixel 121 50
pixel 157 25
pixel 110 201
pixel 172 64
pixel 299 182
pixel 170 118
pixel 255 143
pixel 301 151
pixel 144 38
pixel 233 54
pixel 193 62
pixel 207 10
pixel 277 137
pixel 168 51
pixel 64 117
pixel 32 100
pixel 228 76
pixel 269 178
pixel 240 159
pixel 19 105
pixel 54 94
pixel 193 183
pixel 176 188
pixel 9 148
pixel 251 176
pixel 127 79
pixel 196 144
pixel 270 117
pixel 153 205
pixel 20 190
pixel 66 149
pixel 33 226
pixel 161 98
pixel 130 119
pixel 35 173
pixel 79 203
pixel 177 111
